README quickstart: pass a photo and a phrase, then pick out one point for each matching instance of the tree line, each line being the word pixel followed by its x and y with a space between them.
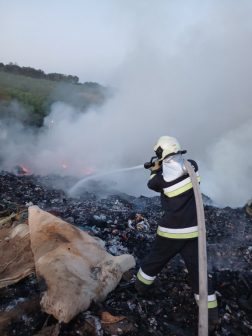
pixel 15 69
pixel 36 96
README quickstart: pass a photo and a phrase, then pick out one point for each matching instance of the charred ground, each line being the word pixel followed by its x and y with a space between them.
pixel 170 308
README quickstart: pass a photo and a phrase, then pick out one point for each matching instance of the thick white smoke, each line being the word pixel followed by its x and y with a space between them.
pixel 196 88
pixel 230 167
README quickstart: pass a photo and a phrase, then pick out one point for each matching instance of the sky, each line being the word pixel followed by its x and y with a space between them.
pixel 180 68
pixel 90 39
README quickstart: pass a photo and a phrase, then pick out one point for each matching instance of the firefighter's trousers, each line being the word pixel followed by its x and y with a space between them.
pixel 163 250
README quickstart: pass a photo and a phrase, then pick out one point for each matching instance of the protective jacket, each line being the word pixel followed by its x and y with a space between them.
pixel 179 219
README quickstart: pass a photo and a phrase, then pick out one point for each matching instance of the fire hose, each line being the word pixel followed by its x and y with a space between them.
pixel 203 291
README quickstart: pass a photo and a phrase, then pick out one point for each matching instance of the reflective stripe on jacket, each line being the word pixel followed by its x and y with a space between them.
pixel 180 187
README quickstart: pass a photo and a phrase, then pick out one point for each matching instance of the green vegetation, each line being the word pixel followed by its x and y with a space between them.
pixel 37 95
pixel 15 69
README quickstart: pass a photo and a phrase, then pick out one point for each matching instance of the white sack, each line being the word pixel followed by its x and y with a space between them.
pixel 72 267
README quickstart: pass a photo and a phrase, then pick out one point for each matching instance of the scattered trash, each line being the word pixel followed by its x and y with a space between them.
pixel 143 226
pixel 55 213
pixel 170 308
pixel 108 318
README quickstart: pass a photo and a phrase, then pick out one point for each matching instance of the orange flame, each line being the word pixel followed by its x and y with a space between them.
pixel 86 172
pixel 25 169
pixel 64 166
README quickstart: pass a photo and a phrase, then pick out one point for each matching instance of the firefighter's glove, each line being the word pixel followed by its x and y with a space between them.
pixel 156 167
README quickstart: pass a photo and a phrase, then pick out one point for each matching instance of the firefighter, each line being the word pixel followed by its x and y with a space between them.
pixel 177 229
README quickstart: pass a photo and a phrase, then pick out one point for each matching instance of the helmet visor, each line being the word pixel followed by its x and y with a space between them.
pixel 159 153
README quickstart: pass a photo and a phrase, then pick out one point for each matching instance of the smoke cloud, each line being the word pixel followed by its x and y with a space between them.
pixel 192 82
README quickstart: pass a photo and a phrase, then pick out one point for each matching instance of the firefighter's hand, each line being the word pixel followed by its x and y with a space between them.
pixel 156 167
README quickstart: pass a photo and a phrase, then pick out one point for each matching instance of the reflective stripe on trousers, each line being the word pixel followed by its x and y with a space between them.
pixel 191 232
pixel 148 280
pixel 180 187
pixel 212 301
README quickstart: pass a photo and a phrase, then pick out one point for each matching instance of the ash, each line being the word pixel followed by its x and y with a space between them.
pixel 128 224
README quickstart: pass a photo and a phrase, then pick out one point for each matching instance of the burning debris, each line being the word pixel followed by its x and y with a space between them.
pixel 127 224
pixel 21 170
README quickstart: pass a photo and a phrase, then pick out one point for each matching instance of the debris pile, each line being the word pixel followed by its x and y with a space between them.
pixel 128 224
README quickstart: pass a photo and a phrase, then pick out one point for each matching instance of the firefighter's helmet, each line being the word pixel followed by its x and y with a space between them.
pixel 166 146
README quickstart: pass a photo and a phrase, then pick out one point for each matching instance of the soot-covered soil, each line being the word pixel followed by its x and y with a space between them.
pixel 128 224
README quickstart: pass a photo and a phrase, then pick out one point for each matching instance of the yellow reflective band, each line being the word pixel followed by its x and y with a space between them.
pixel 152 176
pixel 147 282
pixel 178 235
pixel 181 190
pixel 210 304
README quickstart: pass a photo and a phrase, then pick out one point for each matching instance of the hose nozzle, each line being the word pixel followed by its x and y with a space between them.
pixel 150 164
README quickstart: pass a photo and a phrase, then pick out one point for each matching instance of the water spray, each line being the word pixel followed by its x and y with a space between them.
pixel 84 180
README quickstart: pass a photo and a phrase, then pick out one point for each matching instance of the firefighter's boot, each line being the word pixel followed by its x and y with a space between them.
pixel 141 288
pixel 245 305
pixel 212 318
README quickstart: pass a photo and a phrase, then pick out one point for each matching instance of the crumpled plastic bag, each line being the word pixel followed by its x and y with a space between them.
pixel 72 267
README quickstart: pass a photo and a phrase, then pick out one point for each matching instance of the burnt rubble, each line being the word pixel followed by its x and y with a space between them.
pixel 128 224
